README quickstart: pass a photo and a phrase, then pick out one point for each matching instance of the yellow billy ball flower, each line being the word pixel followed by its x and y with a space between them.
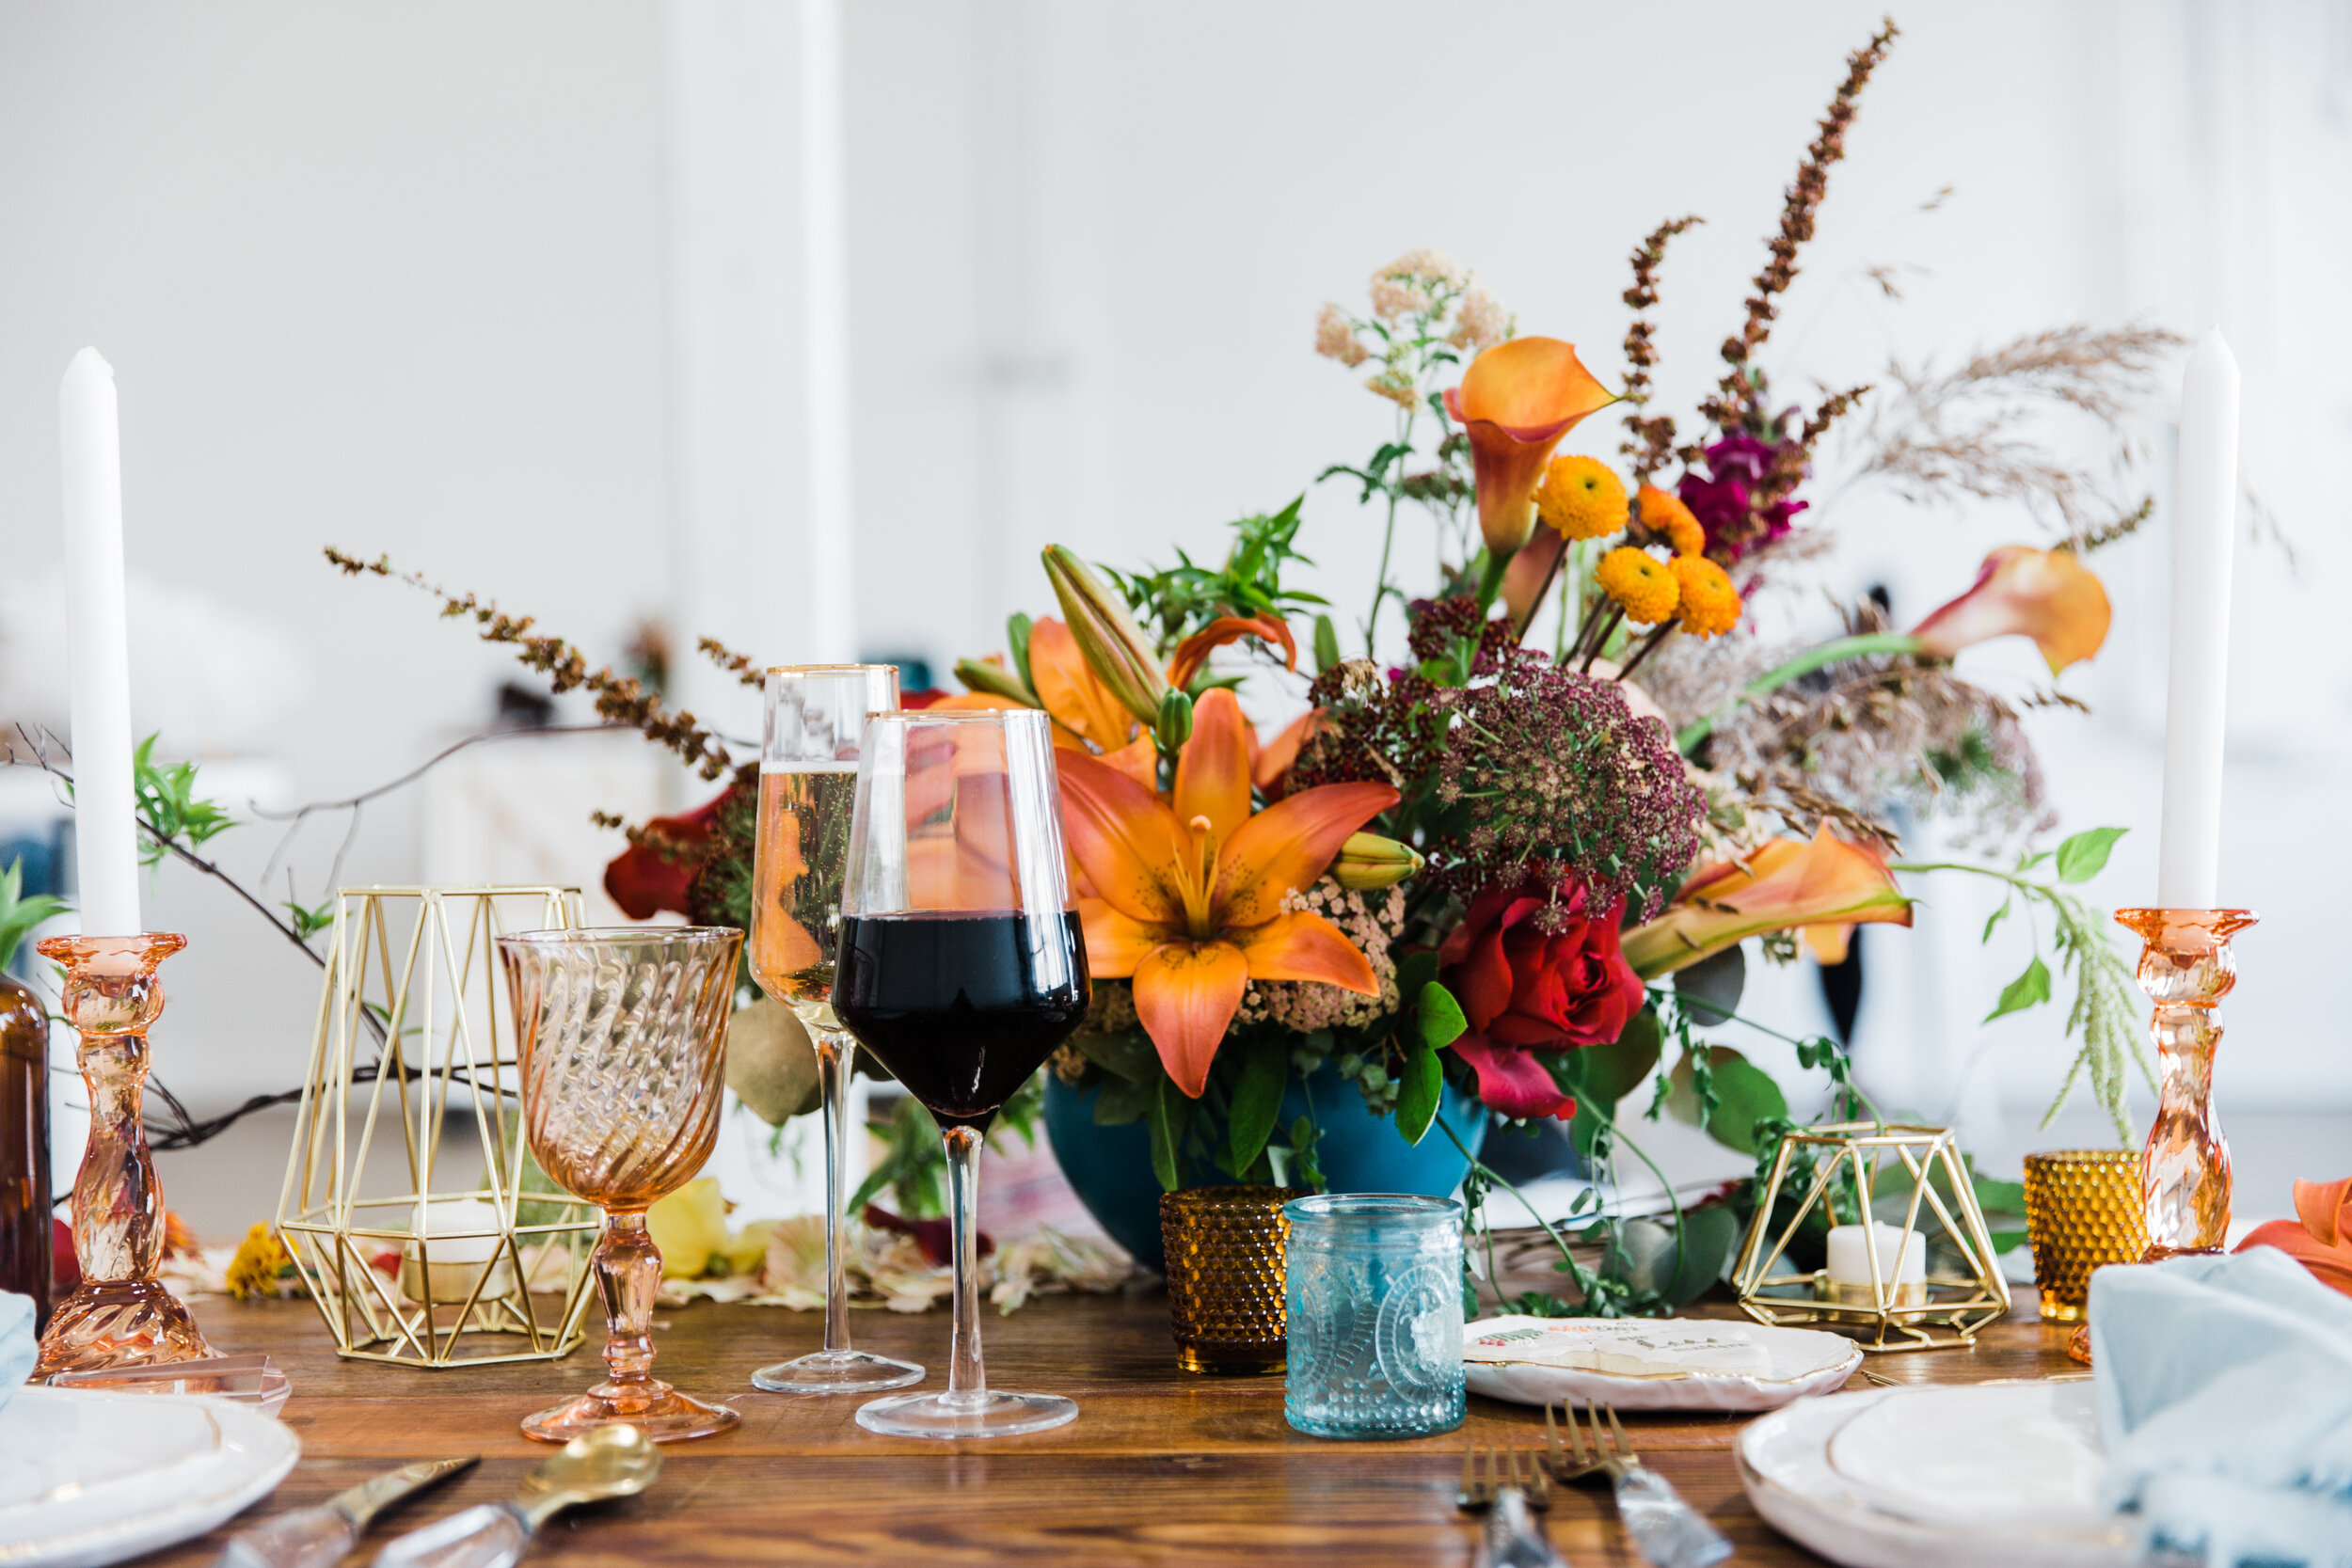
pixel 1640 582
pixel 1666 516
pixel 1581 498
pixel 1710 605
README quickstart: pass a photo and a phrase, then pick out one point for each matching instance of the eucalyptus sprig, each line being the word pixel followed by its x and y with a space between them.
pixel 2105 1011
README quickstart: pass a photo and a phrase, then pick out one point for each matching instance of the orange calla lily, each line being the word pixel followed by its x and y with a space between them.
pixel 2046 594
pixel 2320 1235
pixel 1189 890
pixel 1515 402
pixel 1824 886
pixel 1193 651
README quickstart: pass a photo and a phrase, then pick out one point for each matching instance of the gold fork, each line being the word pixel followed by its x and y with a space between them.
pixel 1665 1529
pixel 1483 1483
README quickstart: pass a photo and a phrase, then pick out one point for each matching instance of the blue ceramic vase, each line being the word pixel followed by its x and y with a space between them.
pixel 1110 1167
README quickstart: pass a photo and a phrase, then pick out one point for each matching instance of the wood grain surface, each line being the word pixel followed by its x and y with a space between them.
pixel 1161 1466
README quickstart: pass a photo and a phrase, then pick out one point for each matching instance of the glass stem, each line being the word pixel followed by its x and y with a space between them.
pixel 628 1275
pixel 967 1384
pixel 837 1050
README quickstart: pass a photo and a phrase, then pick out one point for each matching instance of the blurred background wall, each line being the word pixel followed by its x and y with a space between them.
pixel 515 293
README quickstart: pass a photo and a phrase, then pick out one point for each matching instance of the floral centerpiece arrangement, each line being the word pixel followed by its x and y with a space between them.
pixel 1489 852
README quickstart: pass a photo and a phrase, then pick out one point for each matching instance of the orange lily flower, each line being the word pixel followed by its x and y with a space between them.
pixel 1193 651
pixel 1086 715
pixel 2047 594
pixel 2320 1235
pixel 1189 890
pixel 1515 402
pixel 1824 886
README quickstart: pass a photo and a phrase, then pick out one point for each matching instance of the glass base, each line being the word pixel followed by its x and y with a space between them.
pixel 837 1372
pixel 653 1407
pixel 988 1414
pixel 120 1322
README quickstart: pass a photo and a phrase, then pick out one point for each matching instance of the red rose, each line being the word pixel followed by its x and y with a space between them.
pixel 1524 988
pixel 645 879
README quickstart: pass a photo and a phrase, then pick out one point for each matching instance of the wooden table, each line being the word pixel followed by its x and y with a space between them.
pixel 1160 1466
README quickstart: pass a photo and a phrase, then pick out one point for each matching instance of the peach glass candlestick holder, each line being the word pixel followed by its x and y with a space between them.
pixel 120 1315
pixel 2187 968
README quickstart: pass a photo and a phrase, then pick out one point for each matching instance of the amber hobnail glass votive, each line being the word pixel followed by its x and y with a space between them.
pixel 1225 1248
pixel 2082 1211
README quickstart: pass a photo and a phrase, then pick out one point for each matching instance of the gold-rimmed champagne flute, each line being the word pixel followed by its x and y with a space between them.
pixel 807 775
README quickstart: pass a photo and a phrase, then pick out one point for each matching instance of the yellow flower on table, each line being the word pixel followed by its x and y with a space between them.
pixel 1640 583
pixel 253 1273
pixel 1579 498
pixel 1709 605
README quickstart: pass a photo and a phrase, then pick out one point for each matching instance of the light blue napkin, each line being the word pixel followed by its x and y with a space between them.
pixel 2225 1406
pixel 17 1344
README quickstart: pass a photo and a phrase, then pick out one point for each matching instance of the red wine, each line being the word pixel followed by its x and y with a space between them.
pixel 962 1007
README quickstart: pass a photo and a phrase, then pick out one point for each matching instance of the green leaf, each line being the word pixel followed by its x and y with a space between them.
pixel 2085 855
pixel 1441 1019
pixel 1744 1096
pixel 1417 1094
pixel 1327 645
pixel 1123 1102
pixel 1257 1106
pixel 1171 1114
pixel 18 915
pixel 1128 1054
pixel 1601 1076
pixel 1711 988
pixel 1416 970
pixel 1998 915
pixel 1017 631
pixel 2029 990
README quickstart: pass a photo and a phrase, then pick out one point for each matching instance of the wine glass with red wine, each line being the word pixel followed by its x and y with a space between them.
pixel 961 967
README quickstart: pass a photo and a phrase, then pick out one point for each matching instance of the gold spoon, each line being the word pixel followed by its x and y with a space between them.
pixel 610 1461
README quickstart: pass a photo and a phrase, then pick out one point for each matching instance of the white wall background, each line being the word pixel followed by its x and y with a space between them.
pixel 511 293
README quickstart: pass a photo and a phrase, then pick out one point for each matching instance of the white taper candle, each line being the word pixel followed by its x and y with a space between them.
pixel 106 839
pixel 2204 514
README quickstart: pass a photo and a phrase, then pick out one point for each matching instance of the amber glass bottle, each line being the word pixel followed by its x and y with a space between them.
pixel 25 1232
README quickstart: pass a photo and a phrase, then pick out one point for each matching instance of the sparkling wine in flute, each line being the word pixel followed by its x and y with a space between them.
pixel 796 923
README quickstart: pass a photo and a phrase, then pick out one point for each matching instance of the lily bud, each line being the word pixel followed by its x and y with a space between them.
pixel 1367 862
pixel 1174 724
pixel 986 675
pixel 1113 646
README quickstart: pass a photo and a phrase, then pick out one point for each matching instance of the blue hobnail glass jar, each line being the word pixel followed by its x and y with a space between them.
pixel 1374 1315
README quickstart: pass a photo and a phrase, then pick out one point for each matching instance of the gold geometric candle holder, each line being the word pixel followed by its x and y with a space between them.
pixel 414 1027
pixel 1842 1169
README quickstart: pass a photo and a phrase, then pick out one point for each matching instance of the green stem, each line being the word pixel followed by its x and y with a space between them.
pixel 1493 563
pixel 1859 645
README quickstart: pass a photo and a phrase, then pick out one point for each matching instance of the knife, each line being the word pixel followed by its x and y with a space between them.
pixel 318 1537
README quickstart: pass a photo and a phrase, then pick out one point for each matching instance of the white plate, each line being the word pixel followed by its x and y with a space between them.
pixel 1800 1361
pixel 1784 1466
pixel 95 1476
pixel 2026 1451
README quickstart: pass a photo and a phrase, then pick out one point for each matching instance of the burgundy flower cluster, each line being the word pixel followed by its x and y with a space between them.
pixel 1735 504
pixel 1550 780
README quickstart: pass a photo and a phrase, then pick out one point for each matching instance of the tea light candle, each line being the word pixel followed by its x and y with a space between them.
pixel 461 1267
pixel 436 1220
pixel 1850 1255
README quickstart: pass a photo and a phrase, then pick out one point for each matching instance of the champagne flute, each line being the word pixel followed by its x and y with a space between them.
pixel 961 967
pixel 808 774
